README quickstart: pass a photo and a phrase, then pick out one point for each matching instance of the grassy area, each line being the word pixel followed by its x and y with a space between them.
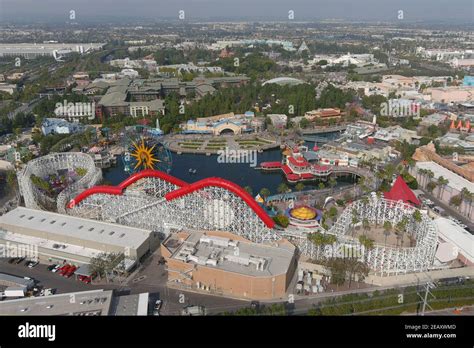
pixel 191 143
pixel 217 141
pixel 191 146
pixel 395 301
pixel 215 147
pixel 254 143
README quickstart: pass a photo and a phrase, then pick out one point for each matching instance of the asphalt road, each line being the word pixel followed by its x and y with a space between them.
pixel 152 278
pixel 466 310
pixel 449 210
pixel 173 299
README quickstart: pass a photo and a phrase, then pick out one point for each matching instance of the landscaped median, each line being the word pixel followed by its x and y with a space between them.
pixel 396 301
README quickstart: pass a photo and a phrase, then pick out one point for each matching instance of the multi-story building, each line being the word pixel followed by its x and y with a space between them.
pixel 59 126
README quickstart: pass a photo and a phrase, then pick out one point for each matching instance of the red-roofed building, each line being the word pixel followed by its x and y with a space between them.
pixel 401 192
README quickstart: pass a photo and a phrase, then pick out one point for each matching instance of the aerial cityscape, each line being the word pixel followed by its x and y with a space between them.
pixel 208 161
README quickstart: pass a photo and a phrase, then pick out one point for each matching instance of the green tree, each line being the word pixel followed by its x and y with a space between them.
pixel 387 226
pixel 281 220
pixel 299 186
pixel 282 188
pixel 249 190
pixel 264 192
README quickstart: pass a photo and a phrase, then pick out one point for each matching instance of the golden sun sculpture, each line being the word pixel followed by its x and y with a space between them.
pixel 144 156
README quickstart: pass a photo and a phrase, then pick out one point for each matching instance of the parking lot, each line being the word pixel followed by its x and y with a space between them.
pixel 46 278
pixel 150 278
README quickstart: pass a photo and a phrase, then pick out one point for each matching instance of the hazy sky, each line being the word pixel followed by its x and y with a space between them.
pixel 374 10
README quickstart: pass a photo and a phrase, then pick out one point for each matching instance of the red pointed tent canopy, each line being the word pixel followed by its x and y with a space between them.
pixel 401 192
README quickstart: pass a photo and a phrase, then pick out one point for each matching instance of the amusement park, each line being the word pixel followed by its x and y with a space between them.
pixel 214 235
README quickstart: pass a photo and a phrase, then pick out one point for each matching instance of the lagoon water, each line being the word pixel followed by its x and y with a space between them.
pixel 208 166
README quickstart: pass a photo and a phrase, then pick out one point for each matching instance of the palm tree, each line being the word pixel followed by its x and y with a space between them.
pixel 442 182
pixel 469 198
pixel 299 187
pixel 456 201
pixel 365 200
pixel 332 183
pixel 422 173
pixel 249 190
pixel 12 180
pixel 466 196
pixel 282 188
pixel 401 227
pixel 417 216
pixel 431 186
pixel 366 225
pixel 387 226
pixel 264 192
pixel 355 221
pixel 430 174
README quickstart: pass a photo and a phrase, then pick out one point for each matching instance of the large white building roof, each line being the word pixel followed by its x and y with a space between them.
pixel 455 181
pixel 93 301
pixel 74 227
pixel 451 232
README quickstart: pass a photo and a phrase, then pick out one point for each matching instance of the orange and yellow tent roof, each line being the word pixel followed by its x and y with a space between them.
pixel 303 213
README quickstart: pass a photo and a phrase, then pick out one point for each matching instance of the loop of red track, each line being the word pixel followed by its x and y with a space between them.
pixel 184 189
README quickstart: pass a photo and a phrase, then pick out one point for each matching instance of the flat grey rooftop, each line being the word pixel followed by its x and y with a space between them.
pixel 130 305
pixel 7 279
pixel 74 227
pixel 94 302
pixel 277 258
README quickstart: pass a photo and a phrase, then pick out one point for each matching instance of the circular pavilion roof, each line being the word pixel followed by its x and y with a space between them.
pixel 303 213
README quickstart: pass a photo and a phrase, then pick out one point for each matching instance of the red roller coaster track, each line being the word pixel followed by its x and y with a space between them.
pixel 184 189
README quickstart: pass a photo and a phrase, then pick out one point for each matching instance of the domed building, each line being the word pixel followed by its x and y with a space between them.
pixel 304 216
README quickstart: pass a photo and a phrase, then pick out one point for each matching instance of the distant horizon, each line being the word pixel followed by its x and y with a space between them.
pixel 90 11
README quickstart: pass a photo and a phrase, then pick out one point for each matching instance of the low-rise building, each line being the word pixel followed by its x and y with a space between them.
pixel 397 133
pixel 230 265
pixel 434 119
pixel 77 240
pixel 460 241
pixel 453 94
pixel 59 126
pixel 278 120
pixel 7 88
pixel 324 114
pixel 456 140
pixel 229 123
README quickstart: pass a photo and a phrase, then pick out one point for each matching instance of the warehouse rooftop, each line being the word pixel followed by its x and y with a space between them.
pixel 89 303
pixel 231 255
pixel 73 227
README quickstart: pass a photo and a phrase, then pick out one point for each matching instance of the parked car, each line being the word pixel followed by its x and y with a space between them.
pixel 56 268
pixel 70 272
pixel 157 307
pixel 20 260
pixel 85 279
pixel 51 267
pixel 32 264
pixel 64 269
pixel 47 292
pixel 194 311
pixel 255 305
